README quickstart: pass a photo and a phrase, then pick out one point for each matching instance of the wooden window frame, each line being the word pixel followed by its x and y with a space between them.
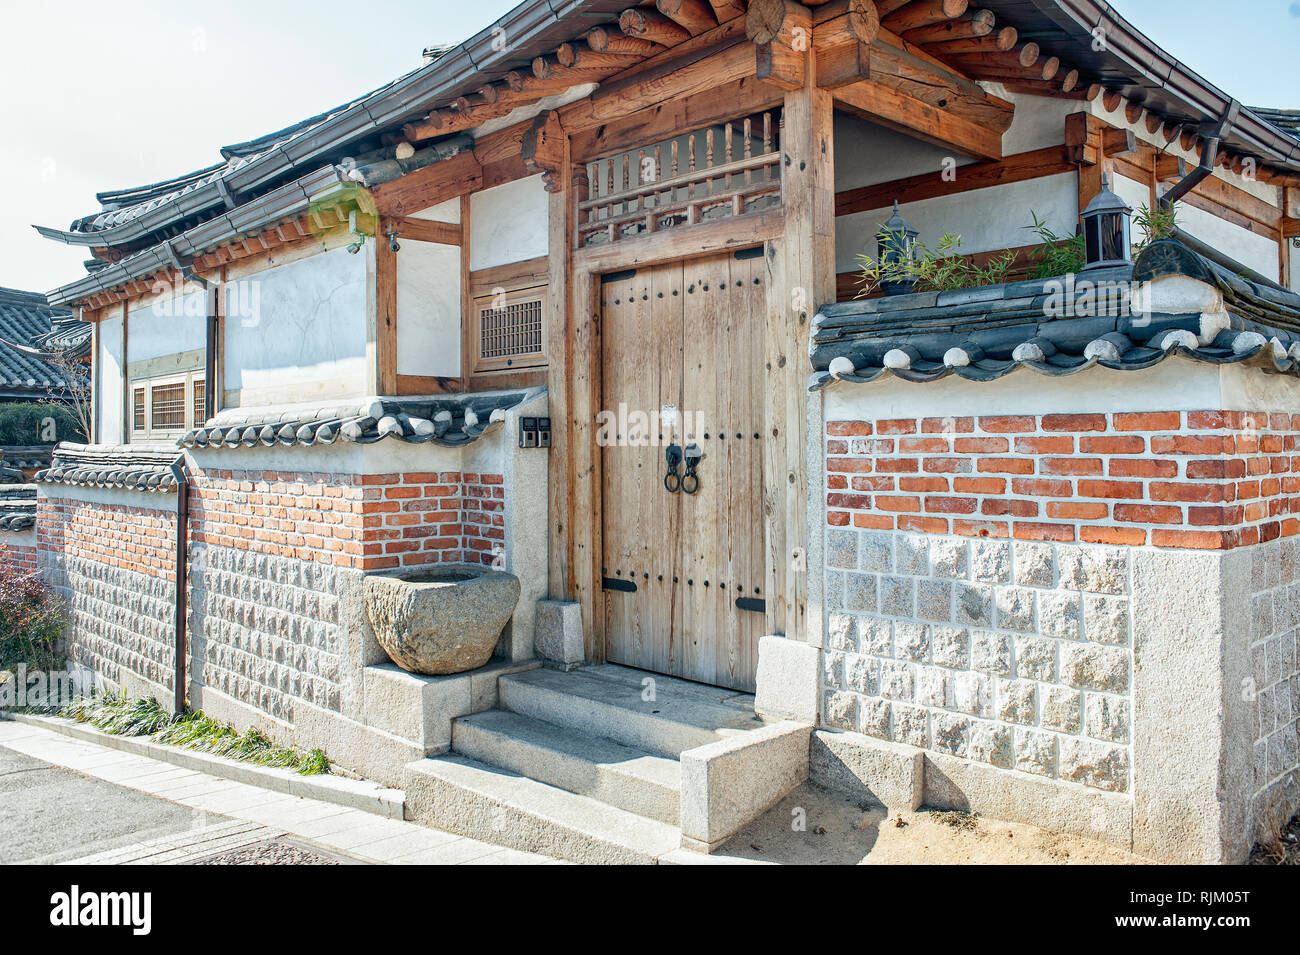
pixel 148 385
pixel 492 300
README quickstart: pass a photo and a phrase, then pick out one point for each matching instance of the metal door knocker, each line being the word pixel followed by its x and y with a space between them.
pixel 691 480
pixel 672 480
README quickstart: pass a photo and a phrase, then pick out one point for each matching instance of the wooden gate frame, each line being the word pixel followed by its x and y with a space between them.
pixel 799 251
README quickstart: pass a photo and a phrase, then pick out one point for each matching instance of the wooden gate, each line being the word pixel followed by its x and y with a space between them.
pixel 682 366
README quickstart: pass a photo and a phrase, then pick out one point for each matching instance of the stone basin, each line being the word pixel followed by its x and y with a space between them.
pixel 441 619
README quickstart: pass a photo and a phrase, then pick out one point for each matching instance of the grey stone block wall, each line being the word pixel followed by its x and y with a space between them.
pixel 268 631
pixel 121 623
pixel 1017 654
pixel 1274 683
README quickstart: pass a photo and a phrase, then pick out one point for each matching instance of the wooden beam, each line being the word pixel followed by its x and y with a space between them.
pixel 978 23
pixel 742 97
pixel 997 42
pixel 915 73
pixel 695 15
pixel 696 72
pixel 579 55
pixel 429 186
pixel 653 26
pixel 924 13
pixel 724 10
pixel 1035 164
pixel 610 39
pixel 929 123
pixel 421 230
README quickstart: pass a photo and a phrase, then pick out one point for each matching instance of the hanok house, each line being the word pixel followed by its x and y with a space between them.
pixel 32 334
pixel 576 299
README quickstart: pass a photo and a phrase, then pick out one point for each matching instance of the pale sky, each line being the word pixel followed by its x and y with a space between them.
pixel 103 95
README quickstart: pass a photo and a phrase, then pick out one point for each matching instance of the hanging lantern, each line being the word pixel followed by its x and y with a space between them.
pixel 895 244
pixel 1106 230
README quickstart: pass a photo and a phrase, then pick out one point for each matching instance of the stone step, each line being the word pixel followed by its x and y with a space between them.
pixel 619 775
pixel 607 701
pixel 464 796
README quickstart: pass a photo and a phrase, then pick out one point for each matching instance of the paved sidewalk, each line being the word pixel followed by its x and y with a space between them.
pixel 232 815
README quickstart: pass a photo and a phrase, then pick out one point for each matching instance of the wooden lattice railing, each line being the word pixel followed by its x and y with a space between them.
pixel 728 169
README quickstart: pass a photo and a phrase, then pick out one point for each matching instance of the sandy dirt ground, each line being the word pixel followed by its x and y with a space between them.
pixel 836 831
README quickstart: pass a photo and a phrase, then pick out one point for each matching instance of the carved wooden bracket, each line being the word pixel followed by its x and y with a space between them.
pixel 542 149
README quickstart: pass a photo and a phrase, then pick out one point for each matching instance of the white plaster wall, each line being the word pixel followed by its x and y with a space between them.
pixel 1039 120
pixel 309 329
pixel 867 154
pixel 508 223
pixel 448 211
pixel 428 309
pixel 109 360
pixel 1136 194
pixel 167 326
pixel 986 219
pixel 389 456
pixel 1248 248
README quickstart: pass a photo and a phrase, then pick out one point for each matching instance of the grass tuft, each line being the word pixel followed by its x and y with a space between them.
pixel 198 731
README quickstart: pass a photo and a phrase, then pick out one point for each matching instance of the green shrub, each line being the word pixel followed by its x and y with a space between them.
pixel 1057 255
pixel 21 423
pixel 122 716
pixel 32 619
pixel 942 269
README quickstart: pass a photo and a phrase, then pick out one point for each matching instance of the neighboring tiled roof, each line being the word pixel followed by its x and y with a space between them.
pixel 984 333
pixel 124 205
pixel 27 329
pixel 451 420
pixel 130 467
pixel 24 456
pixel 17 492
pixel 17 515
pixel 1287 120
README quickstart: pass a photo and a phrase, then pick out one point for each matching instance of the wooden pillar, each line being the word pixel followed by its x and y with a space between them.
pixel 1083 141
pixel 128 411
pixel 96 373
pixel 557 383
pixel 385 316
pixel 573 379
pixel 801 276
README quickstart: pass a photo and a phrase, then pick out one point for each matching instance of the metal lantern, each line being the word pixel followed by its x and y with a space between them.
pixel 895 243
pixel 1106 230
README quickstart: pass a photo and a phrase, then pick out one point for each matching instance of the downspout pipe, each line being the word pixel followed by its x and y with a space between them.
pixel 212 295
pixel 1209 155
pixel 182 578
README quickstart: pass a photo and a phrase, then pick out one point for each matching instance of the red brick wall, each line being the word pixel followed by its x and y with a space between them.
pixel 367 522
pixel 1196 479
pixel 139 539
pixel 18 558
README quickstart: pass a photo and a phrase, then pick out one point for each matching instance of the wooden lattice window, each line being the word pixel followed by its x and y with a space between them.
pixel 509 330
pixel 167 407
pixel 197 410
pixel 137 409
pixel 728 169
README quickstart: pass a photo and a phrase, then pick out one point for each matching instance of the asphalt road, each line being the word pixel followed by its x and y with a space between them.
pixel 49 814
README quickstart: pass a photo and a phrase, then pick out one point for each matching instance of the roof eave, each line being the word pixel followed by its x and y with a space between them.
pixel 451 73
pixel 289 200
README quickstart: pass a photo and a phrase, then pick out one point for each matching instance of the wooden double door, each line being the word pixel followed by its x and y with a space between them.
pixel 682 368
